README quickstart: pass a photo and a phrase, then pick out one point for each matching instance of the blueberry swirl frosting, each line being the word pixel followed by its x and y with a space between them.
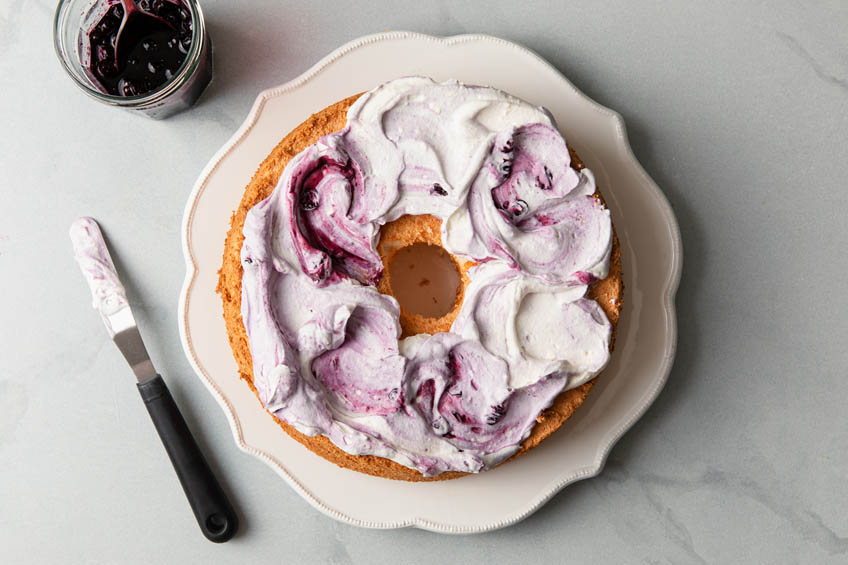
pixel 325 344
pixel 92 256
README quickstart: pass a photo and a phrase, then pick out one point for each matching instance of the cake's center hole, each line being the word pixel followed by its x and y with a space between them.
pixel 424 279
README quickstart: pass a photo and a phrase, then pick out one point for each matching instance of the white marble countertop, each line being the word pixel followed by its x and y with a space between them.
pixel 740 114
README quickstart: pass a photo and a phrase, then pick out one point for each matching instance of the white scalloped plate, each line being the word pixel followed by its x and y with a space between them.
pixel 647 333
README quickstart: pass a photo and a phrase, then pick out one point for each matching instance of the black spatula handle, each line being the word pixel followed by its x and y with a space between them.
pixel 211 507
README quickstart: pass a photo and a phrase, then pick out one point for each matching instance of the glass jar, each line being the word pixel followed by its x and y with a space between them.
pixel 74 19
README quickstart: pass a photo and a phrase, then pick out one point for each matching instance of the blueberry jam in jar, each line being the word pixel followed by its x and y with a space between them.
pixel 153 56
pixel 149 57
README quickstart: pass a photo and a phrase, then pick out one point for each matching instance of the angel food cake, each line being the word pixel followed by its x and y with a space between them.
pixel 309 301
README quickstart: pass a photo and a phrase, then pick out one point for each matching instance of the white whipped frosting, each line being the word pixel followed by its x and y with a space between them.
pixel 324 342
pixel 92 255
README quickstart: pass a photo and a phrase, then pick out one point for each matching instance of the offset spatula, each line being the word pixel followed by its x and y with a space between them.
pixel 211 507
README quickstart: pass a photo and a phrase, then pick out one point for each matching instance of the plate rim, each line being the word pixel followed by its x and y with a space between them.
pixel 667 295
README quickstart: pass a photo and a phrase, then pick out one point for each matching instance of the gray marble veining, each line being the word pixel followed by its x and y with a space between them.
pixel 822 73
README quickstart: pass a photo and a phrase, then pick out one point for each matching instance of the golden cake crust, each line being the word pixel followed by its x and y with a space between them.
pixel 395 235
